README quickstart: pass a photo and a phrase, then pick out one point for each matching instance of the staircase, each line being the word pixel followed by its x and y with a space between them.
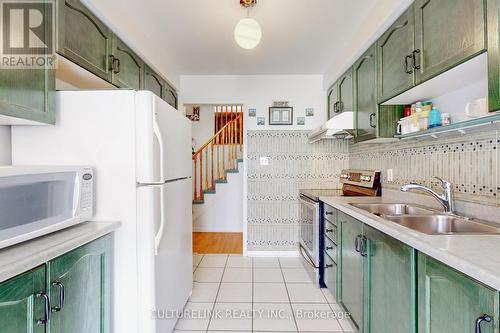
pixel 218 157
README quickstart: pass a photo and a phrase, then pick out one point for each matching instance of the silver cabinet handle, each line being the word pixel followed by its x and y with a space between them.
pixel 60 306
pixel 479 320
pixel 46 315
pixel 328 230
pixel 328 213
pixel 328 266
pixel 329 248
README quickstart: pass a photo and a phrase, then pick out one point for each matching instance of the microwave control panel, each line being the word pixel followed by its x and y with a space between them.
pixel 87 182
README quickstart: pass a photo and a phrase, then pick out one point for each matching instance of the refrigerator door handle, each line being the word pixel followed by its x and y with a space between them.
pixel 159 137
pixel 161 229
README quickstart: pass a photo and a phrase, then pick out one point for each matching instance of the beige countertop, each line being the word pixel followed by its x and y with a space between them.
pixel 474 255
pixel 22 257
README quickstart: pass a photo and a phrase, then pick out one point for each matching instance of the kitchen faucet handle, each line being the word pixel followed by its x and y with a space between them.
pixel 444 183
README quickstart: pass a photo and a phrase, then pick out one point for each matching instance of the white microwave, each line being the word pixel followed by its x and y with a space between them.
pixel 35 201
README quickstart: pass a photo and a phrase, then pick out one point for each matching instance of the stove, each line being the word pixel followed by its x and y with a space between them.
pixel 354 183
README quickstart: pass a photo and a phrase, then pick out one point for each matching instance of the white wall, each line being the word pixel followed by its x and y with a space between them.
pixel 5 146
pixel 259 92
pixel 204 128
pixel 222 211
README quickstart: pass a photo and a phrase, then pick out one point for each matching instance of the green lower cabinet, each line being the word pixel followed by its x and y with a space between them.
pixel 451 302
pixel 82 279
pixel 68 294
pixel 22 303
pixel 389 284
pixel 351 279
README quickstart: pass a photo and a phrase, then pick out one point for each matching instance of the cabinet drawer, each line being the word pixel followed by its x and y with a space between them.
pixel 330 277
pixel 330 214
pixel 330 231
pixel 331 249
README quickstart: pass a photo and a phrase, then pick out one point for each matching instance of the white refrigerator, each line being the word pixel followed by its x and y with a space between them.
pixel 140 148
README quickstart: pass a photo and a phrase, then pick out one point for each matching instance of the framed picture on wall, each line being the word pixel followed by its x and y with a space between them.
pixel 280 115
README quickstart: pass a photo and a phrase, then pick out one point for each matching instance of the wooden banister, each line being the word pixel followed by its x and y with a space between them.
pixel 227 140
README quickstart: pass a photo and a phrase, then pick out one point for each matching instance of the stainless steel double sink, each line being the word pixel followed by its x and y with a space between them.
pixel 427 220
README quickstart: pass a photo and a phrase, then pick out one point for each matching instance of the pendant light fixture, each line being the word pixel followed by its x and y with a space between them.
pixel 247 32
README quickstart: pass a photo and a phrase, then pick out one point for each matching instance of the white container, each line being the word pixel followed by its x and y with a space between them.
pixel 477 108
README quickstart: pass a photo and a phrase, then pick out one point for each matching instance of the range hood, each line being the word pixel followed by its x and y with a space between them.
pixel 339 127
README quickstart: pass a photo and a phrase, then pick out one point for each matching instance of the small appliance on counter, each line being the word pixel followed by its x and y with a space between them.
pixel 354 183
pixel 35 201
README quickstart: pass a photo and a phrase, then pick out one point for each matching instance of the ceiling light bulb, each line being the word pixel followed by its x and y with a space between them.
pixel 247 33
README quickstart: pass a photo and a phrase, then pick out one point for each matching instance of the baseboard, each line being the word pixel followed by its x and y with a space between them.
pixel 272 253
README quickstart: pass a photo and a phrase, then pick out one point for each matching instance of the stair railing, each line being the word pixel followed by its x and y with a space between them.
pixel 207 168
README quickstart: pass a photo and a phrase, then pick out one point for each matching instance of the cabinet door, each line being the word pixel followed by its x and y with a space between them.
pixel 153 82
pixel 83 39
pixel 393 48
pixel 390 284
pixel 20 307
pixel 447 33
pixel 128 69
pixel 494 55
pixel 170 96
pixel 83 276
pixel 29 93
pixel 365 95
pixel 330 279
pixel 333 98
pixel 351 293
pixel 450 302
pixel 346 92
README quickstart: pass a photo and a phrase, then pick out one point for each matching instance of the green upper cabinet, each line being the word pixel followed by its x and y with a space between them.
pixel 449 301
pixel 82 279
pixel 127 67
pixel 345 91
pixel 83 39
pixel 389 306
pixel 351 279
pixel 365 95
pixel 494 54
pixel 22 303
pixel 170 96
pixel 394 50
pixel 447 33
pixel 28 93
pixel 153 82
pixel 333 98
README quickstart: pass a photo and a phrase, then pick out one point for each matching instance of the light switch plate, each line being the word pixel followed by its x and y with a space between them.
pixel 264 160
pixel 390 175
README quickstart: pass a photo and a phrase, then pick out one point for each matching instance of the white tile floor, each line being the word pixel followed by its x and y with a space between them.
pixel 232 293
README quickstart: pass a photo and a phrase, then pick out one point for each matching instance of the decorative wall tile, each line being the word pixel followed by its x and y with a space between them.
pixel 470 162
pixel 273 190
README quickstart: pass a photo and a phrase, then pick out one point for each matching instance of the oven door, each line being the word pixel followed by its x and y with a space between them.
pixel 309 230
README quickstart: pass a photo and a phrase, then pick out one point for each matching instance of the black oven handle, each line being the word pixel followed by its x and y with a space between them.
pixel 306 257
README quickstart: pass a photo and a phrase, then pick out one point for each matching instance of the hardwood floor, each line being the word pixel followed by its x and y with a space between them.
pixel 218 242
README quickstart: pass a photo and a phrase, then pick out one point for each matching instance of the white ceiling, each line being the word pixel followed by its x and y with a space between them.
pixel 196 36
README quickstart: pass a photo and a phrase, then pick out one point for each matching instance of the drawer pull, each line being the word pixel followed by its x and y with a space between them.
pixel 328 266
pixel 328 230
pixel 329 248
pixel 328 213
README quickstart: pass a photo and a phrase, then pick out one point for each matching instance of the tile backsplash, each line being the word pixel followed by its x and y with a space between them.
pixel 470 162
pixel 273 190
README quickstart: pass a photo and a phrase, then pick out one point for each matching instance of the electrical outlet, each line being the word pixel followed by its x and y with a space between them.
pixel 264 160
pixel 390 175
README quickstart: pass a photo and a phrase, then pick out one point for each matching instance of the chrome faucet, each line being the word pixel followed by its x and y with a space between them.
pixel 445 199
